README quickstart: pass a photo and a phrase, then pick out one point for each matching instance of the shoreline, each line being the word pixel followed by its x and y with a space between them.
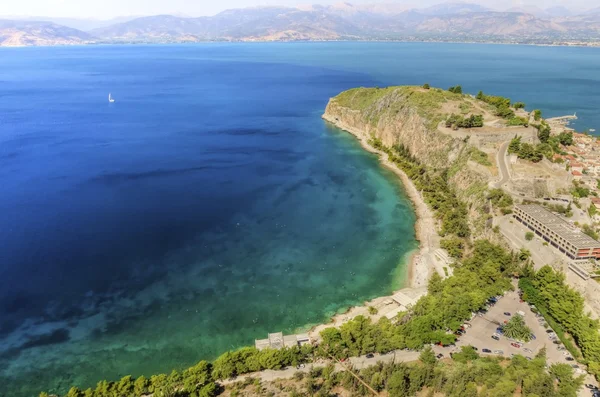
pixel 420 263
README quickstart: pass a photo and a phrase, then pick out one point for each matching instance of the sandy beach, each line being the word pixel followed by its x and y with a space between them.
pixel 422 261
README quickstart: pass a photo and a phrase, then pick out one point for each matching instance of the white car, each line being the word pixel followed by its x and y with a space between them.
pixel 498 352
pixel 527 350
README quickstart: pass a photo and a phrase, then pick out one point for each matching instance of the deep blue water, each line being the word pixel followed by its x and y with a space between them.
pixel 210 204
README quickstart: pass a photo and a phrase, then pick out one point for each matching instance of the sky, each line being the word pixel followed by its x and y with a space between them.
pixel 105 9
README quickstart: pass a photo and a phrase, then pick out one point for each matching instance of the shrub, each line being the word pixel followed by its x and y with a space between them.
pixel 529 236
pixel 426 86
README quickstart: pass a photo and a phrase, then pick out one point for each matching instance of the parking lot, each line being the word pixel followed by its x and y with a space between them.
pixel 480 334
pixel 483 327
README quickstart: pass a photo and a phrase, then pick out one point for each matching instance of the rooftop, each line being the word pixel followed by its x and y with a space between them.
pixel 559 226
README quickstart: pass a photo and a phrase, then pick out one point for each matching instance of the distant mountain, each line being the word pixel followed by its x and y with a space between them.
pixel 558 11
pixel 453 9
pixel 342 21
pixel 31 33
pixel 84 24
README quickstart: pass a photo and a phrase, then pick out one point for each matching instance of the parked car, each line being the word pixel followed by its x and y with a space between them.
pixel 590 386
pixel 575 366
pixel 527 350
pixel 507 313
pixel 561 348
pixel 569 358
pixel 556 342
pixel 440 355
pixel 515 345
pixel 533 337
pixel 486 351
pixel 495 337
pixel 370 355
pixel 549 331
pixel 498 352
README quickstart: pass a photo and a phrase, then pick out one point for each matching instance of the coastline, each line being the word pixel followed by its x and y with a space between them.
pixel 421 262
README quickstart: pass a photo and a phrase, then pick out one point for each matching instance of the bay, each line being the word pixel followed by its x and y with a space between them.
pixel 210 204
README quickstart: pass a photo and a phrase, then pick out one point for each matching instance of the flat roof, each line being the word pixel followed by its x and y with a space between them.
pixel 559 226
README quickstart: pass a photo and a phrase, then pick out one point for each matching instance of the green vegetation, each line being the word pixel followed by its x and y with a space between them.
pixel 579 191
pixel 537 114
pixel 436 192
pixel 566 138
pixel 544 131
pixel 426 86
pixel 529 236
pixel 518 121
pixel 372 310
pixel 485 273
pixel 563 308
pixel 519 105
pixel 457 121
pixel 517 329
pixel 465 375
pixel 196 381
pixel 501 104
pixel 525 151
pixel 480 157
pixel 361 98
pixel 456 89
pixel 427 102
pixel 454 246
pixel 500 199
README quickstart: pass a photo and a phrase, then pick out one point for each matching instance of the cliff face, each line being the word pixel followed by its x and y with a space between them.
pixel 389 116
pixel 409 116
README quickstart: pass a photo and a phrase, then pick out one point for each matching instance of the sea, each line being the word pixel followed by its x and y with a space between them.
pixel 210 204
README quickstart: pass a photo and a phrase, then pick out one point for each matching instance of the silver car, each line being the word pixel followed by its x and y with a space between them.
pixel 498 352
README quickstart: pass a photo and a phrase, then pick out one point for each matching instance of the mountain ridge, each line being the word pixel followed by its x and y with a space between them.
pixel 343 21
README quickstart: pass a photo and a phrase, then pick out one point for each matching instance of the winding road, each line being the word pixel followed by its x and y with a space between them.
pixel 502 165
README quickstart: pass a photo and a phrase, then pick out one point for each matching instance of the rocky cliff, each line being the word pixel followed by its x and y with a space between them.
pixel 410 116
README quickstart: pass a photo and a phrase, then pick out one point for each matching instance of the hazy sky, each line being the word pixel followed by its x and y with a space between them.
pixel 110 8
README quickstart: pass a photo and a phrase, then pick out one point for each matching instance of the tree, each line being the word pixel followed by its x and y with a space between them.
pixel 455 89
pixel 566 138
pixel 74 392
pixel 427 356
pixel 529 236
pixel 518 105
pixel 140 386
pixel 517 329
pixel 537 114
pixel 426 86
pixel 454 246
pixel 524 254
pixel 543 132
pixel 515 145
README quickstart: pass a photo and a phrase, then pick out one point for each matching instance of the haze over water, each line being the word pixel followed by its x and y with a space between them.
pixel 210 204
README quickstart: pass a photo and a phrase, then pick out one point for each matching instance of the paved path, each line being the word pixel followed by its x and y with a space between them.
pixel 356 362
pixel 502 165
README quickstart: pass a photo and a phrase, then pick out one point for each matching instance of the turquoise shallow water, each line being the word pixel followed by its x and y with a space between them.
pixel 210 204
pixel 207 206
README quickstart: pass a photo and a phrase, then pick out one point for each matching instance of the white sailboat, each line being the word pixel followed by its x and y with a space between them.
pixel 110 98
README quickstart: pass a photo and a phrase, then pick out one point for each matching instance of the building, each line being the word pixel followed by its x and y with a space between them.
pixel 277 341
pixel 557 232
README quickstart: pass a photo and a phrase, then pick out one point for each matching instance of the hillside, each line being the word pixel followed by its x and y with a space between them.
pixel 30 33
pixel 347 22
pixel 414 119
pixel 344 21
